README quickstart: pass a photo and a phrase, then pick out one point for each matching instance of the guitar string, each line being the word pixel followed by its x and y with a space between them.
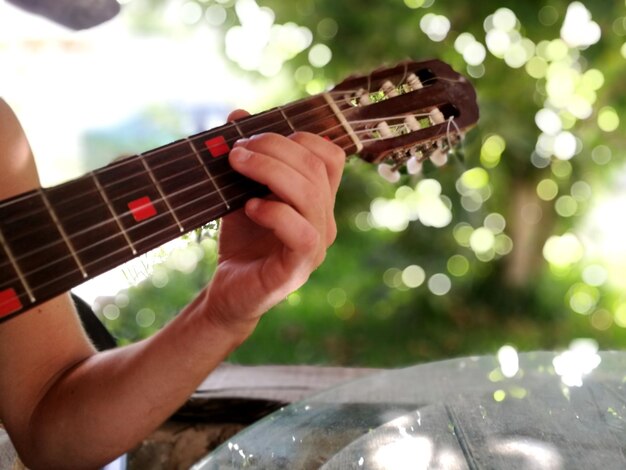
pixel 194 169
pixel 227 127
pixel 249 119
pixel 143 172
pixel 344 92
pixel 125 248
pixel 206 196
pixel 136 227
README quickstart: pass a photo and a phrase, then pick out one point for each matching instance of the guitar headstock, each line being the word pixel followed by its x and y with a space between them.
pixel 407 113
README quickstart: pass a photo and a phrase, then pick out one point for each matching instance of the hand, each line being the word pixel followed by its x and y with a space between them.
pixel 270 247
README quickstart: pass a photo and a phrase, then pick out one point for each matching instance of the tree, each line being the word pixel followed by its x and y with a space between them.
pixel 547 76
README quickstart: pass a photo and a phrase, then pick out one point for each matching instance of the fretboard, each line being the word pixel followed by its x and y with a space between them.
pixel 56 238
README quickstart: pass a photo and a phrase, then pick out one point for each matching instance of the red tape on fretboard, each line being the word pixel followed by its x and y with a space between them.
pixel 142 208
pixel 9 302
pixel 217 146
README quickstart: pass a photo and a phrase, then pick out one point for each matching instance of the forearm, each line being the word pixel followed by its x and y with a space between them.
pixel 109 402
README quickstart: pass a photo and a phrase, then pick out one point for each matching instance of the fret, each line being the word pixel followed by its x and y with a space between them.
pixel 342 119
pixel 41 257
pixel 184 179
pixel 161 193
pixel 52 239
pixel 62 232
pixel 92 228
pixel 305 115
pixel 208 173
pixel 14 289
pixel 241 134
pixel 113 213
pixel 137 204
pixel 217 143
pixel 286 118
pixel 234 186
pixel 215 162
pixel 273 120
pixel 315 115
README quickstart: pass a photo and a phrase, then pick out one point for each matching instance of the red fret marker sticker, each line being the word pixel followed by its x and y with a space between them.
pixel 217 146
pixel 142 208
pixel 9 302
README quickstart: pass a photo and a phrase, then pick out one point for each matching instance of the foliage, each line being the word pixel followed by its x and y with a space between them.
pixel 515 265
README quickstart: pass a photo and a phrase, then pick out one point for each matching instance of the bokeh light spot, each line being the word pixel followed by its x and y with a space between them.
pixel 458 265
pixel 491 151
pixel 476 178
pixel 439 284
pixel 601 154
pixel 413 276
pixel 111 312
pixel 320 55
pixel 563 251
pixel 336 297
pixel 495 222
pixel 566 206
pixel 547 189
pixel 145 317
pixel 608 119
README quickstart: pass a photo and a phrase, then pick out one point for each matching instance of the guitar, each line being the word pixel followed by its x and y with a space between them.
pixel 55 238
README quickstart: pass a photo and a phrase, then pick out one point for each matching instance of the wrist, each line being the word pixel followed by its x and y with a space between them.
pixel 220 321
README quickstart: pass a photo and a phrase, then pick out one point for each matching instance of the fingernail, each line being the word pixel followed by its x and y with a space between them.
pixel 241 142
pixel 240 154
pixel 252 205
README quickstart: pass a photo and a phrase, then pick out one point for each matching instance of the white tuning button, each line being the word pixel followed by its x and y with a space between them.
pixel 412 123
pixel 413 165
pixel 389 89
pixel 387 172
pixel 384 129
pixel 439 157
pixel 363 97
pixel 414 82
pixel 436 116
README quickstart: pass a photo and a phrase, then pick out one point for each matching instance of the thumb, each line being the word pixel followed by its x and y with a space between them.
pixel 238 114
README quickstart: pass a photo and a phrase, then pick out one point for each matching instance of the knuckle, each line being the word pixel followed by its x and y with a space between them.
pixel 310 240
pixel 313 195
pixel 301 137
pixel 332 232
pixel 339 157
pixel 264 141
pixel 315 165
pixel 319 259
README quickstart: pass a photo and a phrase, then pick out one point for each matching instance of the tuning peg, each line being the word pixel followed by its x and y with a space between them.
pixel 413 165
pixel 389 173
pixel 384 129
pixel 389 89
pixel 412 123
pixel 436 116
pixel 439 157
pixel 363 97
pixel 414 82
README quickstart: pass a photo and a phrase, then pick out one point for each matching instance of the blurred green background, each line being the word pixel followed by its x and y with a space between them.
pixel 527 247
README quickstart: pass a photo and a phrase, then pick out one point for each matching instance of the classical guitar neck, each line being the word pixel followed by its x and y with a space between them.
pixel 56 238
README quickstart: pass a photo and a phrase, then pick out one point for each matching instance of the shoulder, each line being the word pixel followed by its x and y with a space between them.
pixel 34 346
pixel 17 166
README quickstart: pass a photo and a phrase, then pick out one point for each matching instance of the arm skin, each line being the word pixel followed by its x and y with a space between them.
pixel 64 403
